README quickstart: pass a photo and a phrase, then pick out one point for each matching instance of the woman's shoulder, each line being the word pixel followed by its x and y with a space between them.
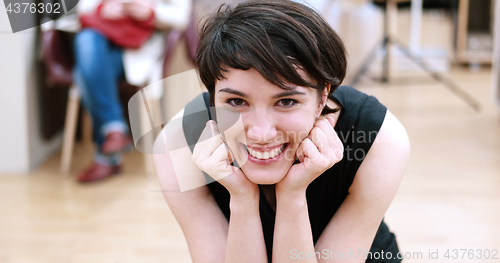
pixel 359 111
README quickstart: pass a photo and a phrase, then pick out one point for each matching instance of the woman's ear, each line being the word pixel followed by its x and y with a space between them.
pixel 323 99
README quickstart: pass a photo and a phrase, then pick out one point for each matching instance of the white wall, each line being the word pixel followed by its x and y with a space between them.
pixel 21 148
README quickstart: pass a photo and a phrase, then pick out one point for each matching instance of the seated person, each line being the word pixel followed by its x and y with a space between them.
pixel 101 64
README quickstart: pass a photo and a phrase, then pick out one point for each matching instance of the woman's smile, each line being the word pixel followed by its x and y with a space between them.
pixel 265 155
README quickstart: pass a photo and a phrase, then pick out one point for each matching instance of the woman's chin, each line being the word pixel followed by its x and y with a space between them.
pixel 264 176
pixel 265 181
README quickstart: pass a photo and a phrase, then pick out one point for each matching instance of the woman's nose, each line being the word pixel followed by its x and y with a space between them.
pixel 261 128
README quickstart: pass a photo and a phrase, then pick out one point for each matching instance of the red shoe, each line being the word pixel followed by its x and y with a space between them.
pixel 116 142
pixel 98 172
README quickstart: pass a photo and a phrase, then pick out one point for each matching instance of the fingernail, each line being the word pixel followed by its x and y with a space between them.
pixel 213 128
pixel 209 124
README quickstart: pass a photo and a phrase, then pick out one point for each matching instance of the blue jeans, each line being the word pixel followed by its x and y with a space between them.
pixel 98 70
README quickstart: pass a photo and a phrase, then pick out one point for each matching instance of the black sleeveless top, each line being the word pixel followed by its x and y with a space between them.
pixel 359 121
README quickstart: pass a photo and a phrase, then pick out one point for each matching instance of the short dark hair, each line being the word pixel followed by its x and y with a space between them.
pixel 275 37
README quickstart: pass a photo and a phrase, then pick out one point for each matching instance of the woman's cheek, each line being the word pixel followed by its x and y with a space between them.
pixel 297 131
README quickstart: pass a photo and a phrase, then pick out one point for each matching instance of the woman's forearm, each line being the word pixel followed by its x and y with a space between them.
pixel 292 232
pixel 245 241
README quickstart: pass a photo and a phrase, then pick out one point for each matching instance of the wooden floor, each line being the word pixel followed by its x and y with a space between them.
pixel 449 198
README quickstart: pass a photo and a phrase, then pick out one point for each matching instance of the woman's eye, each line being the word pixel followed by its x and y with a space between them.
pixel 287 102
pixel 235 102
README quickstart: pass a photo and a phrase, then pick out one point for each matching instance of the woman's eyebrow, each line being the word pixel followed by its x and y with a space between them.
pixel 276 96
pixel 288 93
pixel 233 91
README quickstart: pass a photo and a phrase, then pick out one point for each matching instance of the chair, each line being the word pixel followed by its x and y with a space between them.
pixel 390 29
pixel 59 69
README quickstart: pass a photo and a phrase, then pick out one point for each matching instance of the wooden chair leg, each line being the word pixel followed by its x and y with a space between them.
pixel 70 129
pixel 86 128
pixel 390 32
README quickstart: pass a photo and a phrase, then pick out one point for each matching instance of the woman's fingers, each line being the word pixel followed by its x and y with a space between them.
pixel 316 153
pixel 209 141
pixel 327 127
pixel 335 142
pixel 220 154
pixel 326 140
pixel 308 150
pixel 204 149
pixel 319 139
pixel 211 154
pixel 218 164
pixel 215 132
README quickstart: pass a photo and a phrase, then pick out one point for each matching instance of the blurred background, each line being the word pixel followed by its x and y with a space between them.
pixel 433 63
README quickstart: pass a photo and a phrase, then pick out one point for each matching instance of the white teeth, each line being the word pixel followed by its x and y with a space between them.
pixel 272 153
pixel 275 152
pixel 266 155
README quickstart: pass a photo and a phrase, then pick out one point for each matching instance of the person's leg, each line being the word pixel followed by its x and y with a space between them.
pixel 98 69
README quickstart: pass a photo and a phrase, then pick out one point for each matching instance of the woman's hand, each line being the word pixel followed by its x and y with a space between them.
pixel 317 153
pixel 212 156
pixel 140 10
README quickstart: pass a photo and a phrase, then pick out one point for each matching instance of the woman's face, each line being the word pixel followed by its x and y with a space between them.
pixel 273 122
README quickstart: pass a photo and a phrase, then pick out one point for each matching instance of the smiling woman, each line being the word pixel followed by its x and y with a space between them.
pixel 285 180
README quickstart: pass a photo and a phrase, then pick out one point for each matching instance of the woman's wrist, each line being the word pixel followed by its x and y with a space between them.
pixel 294 198
pixel 244 202
pixel 284 191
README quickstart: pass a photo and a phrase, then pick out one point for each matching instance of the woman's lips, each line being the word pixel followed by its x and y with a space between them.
pixel 265 155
